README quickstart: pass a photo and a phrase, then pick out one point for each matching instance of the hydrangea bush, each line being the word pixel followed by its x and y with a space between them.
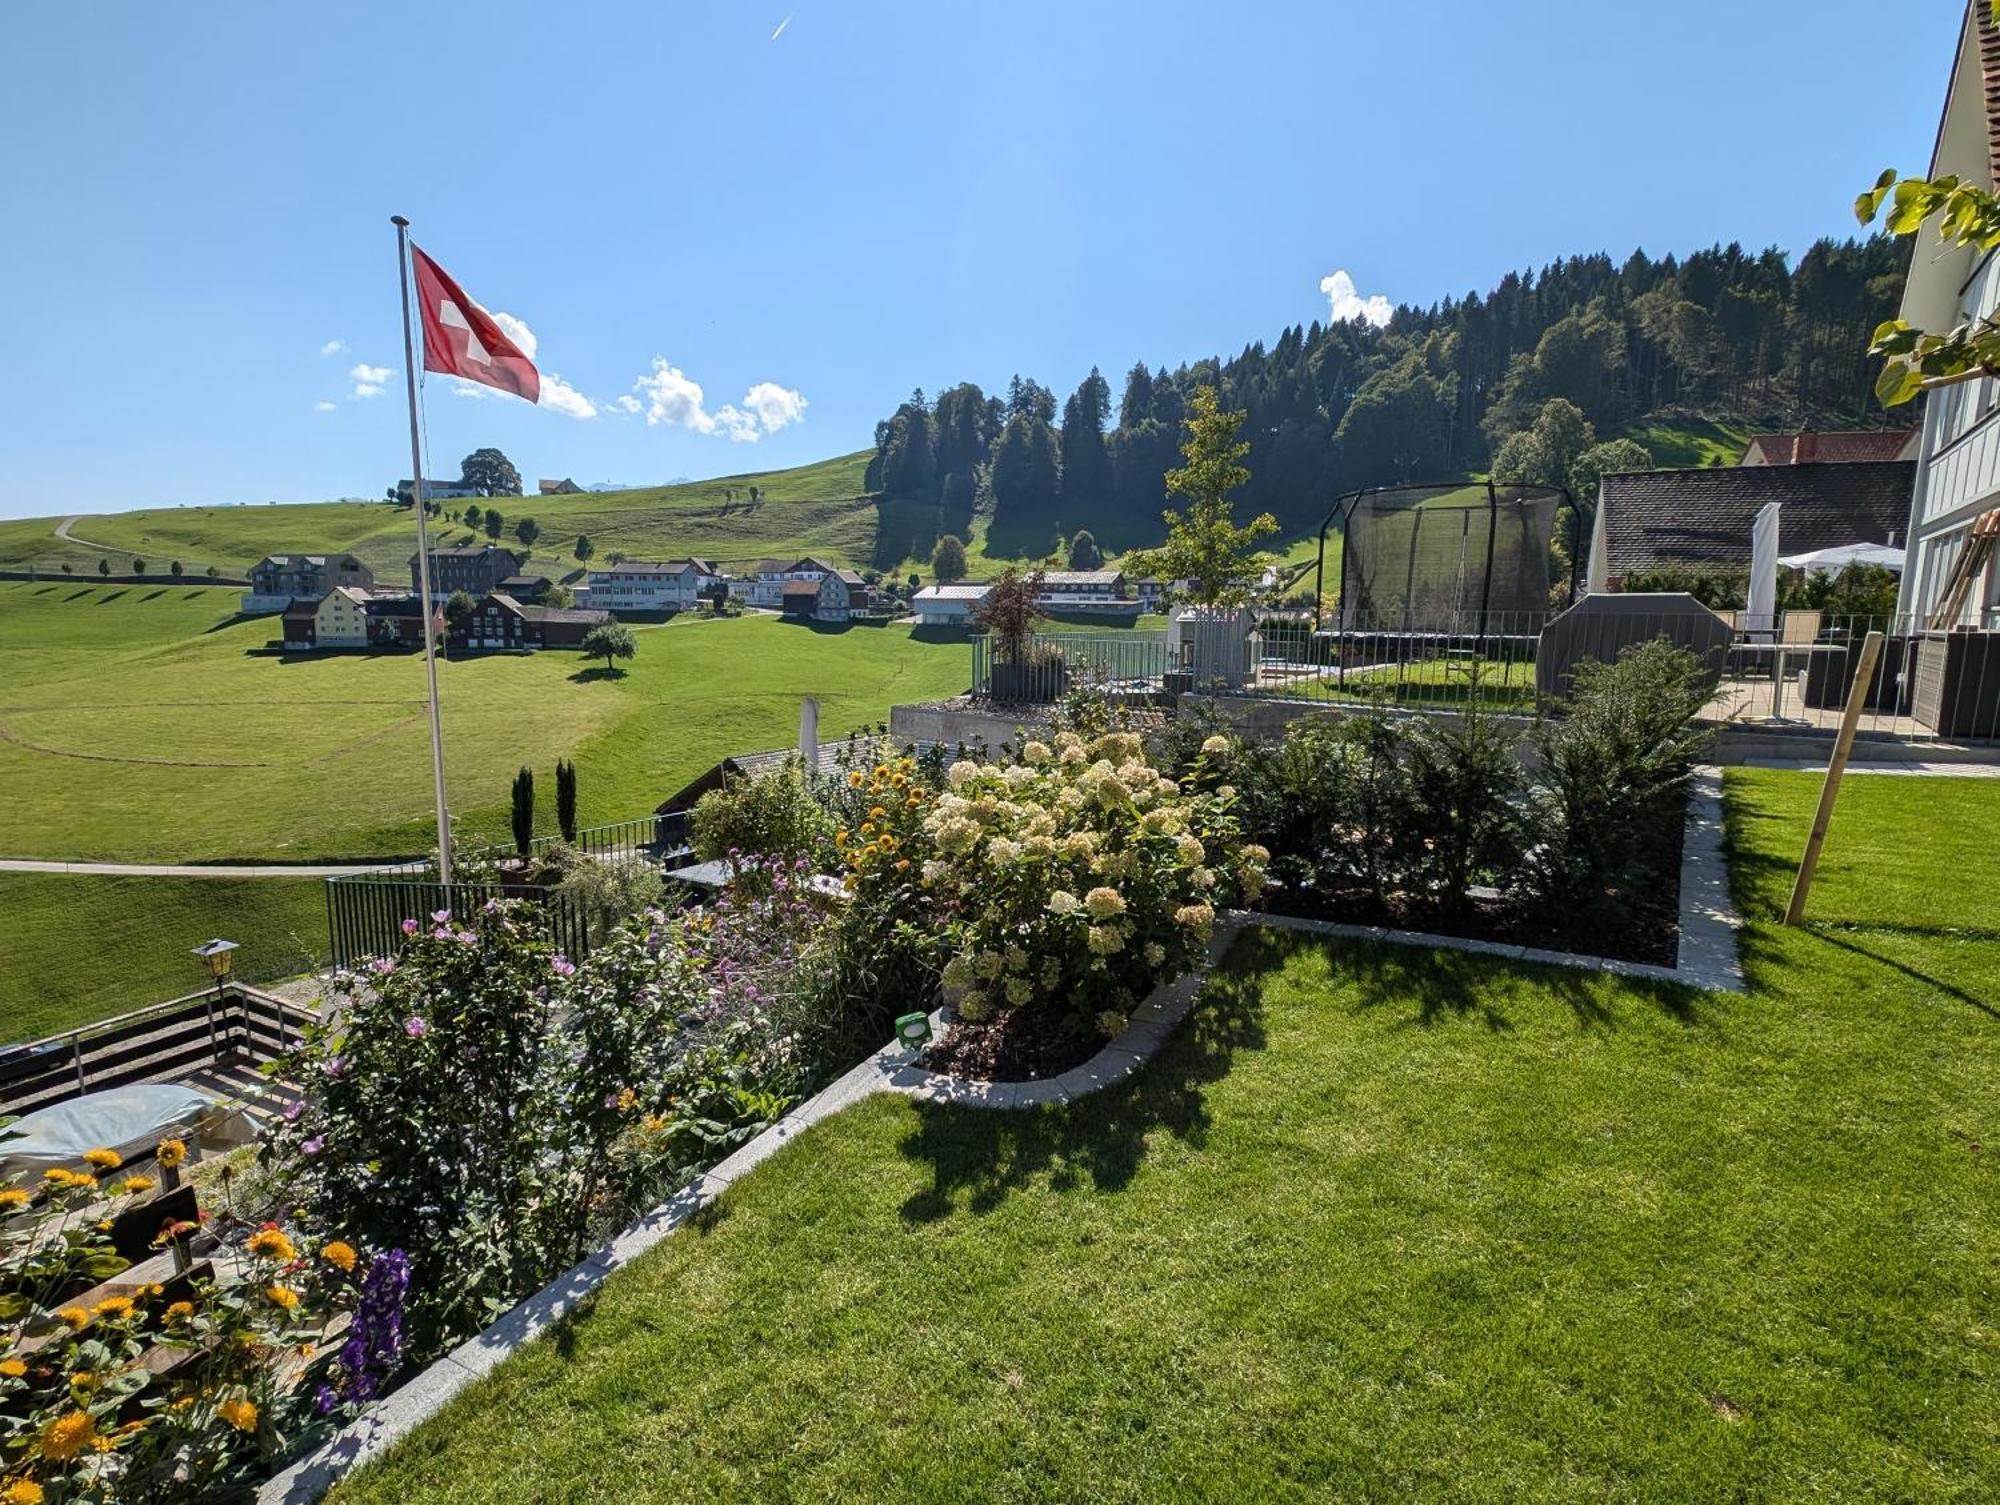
pixel 1079 878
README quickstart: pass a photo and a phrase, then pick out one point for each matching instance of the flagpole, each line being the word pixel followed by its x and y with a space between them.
pixel 423 547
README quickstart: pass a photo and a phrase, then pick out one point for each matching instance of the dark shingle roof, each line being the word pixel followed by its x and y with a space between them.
pixel 1841 446
pixel 1703 517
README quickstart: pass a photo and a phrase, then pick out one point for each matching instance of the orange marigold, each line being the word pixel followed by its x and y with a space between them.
pixel 75 1316
pixel 22 1492
pixel 339 1254
pixel 67 1436
pixel 283 1296
pixel 272 1243
pixel 239 1413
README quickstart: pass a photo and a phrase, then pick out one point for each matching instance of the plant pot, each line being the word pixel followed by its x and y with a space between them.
pixel 1034 682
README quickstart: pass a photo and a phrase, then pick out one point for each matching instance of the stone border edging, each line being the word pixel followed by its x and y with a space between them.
pixel 1707 959
pixel 1707 956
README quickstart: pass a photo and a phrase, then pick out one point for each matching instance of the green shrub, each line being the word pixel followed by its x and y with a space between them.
pixel 607 890
pixel 1463 779
pixel 775 815
pixel 1612 778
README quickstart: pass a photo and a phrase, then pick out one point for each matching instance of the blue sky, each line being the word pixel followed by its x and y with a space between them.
pixel 807 224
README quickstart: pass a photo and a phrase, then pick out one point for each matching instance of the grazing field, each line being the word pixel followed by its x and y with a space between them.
pixel 76 948
pixel 136 723
pixel 1377 1224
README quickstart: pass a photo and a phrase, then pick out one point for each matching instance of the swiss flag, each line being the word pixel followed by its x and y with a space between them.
pixel 461 339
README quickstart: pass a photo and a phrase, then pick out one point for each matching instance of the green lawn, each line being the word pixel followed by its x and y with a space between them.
pixel 74 949
pixel 1377 1224
pixel 134 724
pixel 1684 442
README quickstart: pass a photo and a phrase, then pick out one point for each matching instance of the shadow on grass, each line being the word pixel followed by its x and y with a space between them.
pixel 595 673
pixel 232 620
pixel 1949 989
pixel 1433 987
pixel 107 600
pixel 977 1157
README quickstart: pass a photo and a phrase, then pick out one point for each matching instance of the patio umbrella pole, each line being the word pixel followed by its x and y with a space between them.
pixel 1857 696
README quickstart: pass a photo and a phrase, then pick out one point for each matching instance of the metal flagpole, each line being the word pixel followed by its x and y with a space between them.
pixel 423 548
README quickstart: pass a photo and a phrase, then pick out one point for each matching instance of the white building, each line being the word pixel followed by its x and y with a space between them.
pixel 1081 587
pixel 649 585
pixel 1958 458
pixel 763 584
pixel 949 605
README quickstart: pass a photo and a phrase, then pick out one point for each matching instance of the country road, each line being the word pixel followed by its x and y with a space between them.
pixel 63 532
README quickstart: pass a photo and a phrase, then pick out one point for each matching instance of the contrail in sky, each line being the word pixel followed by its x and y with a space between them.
pixel 781 28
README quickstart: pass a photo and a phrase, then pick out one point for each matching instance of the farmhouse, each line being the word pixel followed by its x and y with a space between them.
pixel 277 580
pixel 398 621
pixel 1702 518
pixel 949 605
pixel 650 585
pixel 438 491
pixel 564 487
pixel 837 596
pixel 1081 587
pixel 339 619
pixel 764 584
pixel 469 568
pixel 499 621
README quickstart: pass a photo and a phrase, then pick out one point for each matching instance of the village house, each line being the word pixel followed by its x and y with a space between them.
pixel 501 622
pixel 277 580
pixel 836 596
pixel 650 585
pixel 438 491
pixel 764 583
pixel 1702 518
pixel 564 487
pixel 949 605
pixel 398 622
pixel 474 569
pixel 1081 587
pixel 339 619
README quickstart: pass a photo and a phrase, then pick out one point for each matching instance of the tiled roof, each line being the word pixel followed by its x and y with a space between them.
pixel 1844 446
pixel 800 588
pixel 1704 517
pixel 954 593
pixel 850 579
pixel 564 614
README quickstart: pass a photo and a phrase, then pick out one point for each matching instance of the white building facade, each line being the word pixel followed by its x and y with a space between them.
pixel 647 585
pixel 949 605
pixel 1958 455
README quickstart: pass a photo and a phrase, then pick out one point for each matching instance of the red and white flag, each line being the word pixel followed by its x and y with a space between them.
pixel 461 338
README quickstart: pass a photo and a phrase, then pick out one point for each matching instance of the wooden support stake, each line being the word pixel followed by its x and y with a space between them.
pixel 1857 696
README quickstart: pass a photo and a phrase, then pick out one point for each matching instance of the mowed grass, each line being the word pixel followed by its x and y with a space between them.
pixel 134 724
pixel 1377 1224
pixel 77 948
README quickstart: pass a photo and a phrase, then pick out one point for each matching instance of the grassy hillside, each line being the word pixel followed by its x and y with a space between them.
pixel 1676 443
pixel 815 508
pixel 134 724
pixel 73 949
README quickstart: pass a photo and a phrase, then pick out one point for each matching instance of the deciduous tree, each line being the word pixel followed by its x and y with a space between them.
pixel 492 472
pixel 609 641
pixel 1204 546
pixel 948 559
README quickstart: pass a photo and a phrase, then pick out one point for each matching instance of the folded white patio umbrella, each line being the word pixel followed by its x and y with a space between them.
pixel 1842 555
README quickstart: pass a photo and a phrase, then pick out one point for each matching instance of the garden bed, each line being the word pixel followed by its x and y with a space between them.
pixel 1648 928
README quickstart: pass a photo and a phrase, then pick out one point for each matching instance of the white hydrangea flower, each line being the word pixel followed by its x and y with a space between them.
pixel 1103 903
pixel 1002 851
pixel 1196 917
pixel 1215 747
pixel 1111 1022
pixel 1036 752
pixel 1105 940
pixel 1063 902
pixel 973 1007
pixel 1017 959
pixel 1019 990
pixel 1155 953
pixel 1019 776
pixel 987 965
pixel 1190 849
pixel 961 773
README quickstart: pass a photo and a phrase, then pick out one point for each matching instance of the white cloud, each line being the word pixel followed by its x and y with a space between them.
pixel 517 330
pixel 368 380
pixel 1348 304
pixel 333 347
pixel 775 406
pixel 325 407
pixel 673 397
pixel 626 403
pixel 565 399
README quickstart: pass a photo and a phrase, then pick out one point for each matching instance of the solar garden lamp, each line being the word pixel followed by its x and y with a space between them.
pixel 913 1031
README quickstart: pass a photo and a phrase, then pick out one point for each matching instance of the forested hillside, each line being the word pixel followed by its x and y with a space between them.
pixel 1722 336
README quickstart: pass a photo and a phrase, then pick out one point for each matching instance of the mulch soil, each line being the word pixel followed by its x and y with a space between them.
pixel 1015 1045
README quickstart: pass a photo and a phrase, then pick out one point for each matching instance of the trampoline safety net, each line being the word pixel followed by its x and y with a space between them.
pixel 1431 558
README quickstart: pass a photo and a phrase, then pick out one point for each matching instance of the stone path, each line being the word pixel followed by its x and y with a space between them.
pixel 63 532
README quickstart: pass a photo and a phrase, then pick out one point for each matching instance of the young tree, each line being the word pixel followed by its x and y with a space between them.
pixel 1084 554
pixel 494 522
pixel 69 570
pixel 948 559
pixel 103 566
pixel 566 798
pixel 1009 613
pixel 138 566
pixel 522 817
pixel 610 640
pixel 527 530
pixel 584 548
pixel 559 595
pixel 459 608
pixel 212 572
pixel 474 516
pixel 1204 546
pixel 176 569
pixel 492 472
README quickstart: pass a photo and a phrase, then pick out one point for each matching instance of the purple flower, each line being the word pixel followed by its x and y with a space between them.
pixel 415 1027
pixel 467 938
pixel 313 1145
pixel 564 967
pixel 440 916
pixel 335 1067
pixel 409 927
pixel 384 965
pixel 492 906
pixel 293 1109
